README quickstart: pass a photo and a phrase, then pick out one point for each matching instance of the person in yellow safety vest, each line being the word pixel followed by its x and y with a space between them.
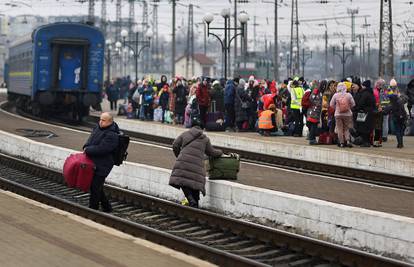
pixel 267 121
pixel 296 94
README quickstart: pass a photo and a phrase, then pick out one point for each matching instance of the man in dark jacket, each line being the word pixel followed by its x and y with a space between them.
pixel 229 94
pixel 100 147
pixel 188 172
pixel 364 108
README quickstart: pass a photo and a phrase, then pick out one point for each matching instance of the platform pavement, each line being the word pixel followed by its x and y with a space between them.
pixel 34 234
pixel 374 231
pixel 386 159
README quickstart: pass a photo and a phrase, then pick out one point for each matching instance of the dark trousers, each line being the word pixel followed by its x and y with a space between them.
pixel 399 130
pixel 97 194
pixel 313 128
pixel 113 104
pixel 230 115
pixel 203 115
pixel 298 118
pixel 193 196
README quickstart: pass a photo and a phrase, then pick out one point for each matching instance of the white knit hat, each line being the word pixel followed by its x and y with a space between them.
pixel 393 82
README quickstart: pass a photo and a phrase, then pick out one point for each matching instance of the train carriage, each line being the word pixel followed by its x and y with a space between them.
pixel 58 69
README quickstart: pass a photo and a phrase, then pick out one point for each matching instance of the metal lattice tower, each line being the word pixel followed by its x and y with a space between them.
pixel 386 47
pixel 155 45
pixel 91 11
pixel 190 43
pixel 294 40
pixel 118 21
pixel 144 23
pixel 131 18
pixel 103 18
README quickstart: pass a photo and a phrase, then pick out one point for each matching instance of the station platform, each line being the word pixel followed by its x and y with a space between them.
pixel 34 234
pixel 385 159
pixel 355 214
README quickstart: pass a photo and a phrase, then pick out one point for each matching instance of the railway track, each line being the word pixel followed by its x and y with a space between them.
pixel 209 236
pixel 344 173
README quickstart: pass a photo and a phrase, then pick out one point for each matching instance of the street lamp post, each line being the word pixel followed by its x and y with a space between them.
pixel 225 43
pixel 305 58
pixel 342 57
pixel 136 46
pixel 109 57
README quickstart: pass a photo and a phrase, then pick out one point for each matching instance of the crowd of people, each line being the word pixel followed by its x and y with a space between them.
pixel 347 112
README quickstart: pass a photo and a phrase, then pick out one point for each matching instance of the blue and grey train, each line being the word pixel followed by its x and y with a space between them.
pixel 405 70
pixel 57 69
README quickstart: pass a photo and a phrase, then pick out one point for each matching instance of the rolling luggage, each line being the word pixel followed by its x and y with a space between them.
pixel 225 167
pixel 215 121
pixel 78 171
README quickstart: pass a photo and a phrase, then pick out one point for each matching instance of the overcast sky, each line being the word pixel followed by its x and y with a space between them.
pixel 263 10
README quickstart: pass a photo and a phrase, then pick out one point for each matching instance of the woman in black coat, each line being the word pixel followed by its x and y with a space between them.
pixel 364 104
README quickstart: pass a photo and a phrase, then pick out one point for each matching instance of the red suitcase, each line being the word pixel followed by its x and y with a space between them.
pixel 78 171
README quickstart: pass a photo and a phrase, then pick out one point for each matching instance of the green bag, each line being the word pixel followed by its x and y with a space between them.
pixel 225 167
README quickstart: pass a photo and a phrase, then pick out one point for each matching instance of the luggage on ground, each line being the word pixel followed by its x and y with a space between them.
pixel 78 171
pixel 215 121
pixel 225 167
pixel 158 114
pixel 410 127
pixel 120 154
pixel 326 138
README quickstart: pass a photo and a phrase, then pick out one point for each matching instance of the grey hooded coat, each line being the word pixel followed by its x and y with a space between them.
pixel 189 148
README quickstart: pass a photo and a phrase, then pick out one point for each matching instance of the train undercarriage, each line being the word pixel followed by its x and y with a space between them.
pixel 68 106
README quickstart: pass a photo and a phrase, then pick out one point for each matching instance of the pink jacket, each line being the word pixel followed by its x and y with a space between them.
pixel 351 103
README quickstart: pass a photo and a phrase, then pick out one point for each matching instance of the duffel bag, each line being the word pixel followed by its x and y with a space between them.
pixel 78 171
pixel 224 167
pixel 215 126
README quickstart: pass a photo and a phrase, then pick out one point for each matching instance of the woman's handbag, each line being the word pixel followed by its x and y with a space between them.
pixel 361 116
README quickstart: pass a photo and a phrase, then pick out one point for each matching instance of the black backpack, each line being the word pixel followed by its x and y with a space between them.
pixel 120 154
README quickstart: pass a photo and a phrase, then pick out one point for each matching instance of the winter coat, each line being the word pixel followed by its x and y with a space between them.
pixel 203 96
pixel 242 114
pixel 100 147
pixel 164 97
pixel 315 109
pixel 350 100
pixel 364 102
pixel 147 95
pixel 162 83
pixel 217 95
pixel 180 98
pixel 229 92
pixel 188 170
pixel 397 109
pixel 112 92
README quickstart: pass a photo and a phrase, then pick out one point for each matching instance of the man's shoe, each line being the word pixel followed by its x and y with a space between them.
pixel 106 207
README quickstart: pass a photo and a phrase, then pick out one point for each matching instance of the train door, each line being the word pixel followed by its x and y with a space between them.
pixel 70 67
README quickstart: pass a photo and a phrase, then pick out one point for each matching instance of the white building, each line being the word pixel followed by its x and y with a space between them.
pixel 203 66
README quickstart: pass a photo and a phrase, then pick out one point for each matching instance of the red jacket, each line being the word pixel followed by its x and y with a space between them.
pixel 203 96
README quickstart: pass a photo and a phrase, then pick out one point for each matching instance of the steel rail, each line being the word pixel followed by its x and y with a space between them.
pixel 314 248
pixel 317 168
